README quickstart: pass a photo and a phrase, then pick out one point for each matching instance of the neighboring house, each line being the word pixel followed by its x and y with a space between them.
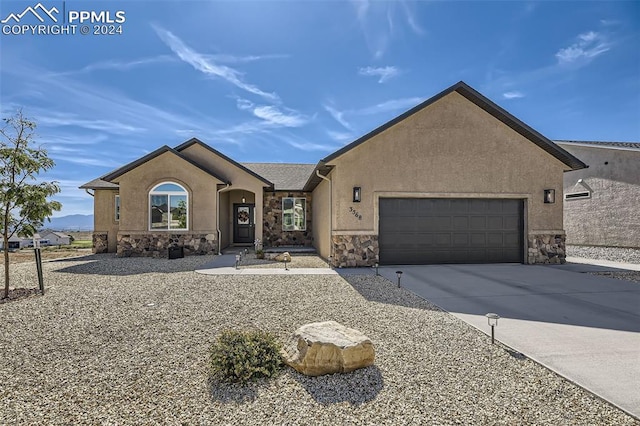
pixel 602 203
pixel 55 238
pixel 456 179
pixel 15 243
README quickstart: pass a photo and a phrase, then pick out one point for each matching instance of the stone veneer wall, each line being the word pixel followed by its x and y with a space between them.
pixel 355 250
pixel 273 235
pixel 100 244
pixel 546 248
pixel 155 244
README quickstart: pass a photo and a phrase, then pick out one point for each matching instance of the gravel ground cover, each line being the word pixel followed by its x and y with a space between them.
pixel 125 341
pixel 297 261
pixel 614 254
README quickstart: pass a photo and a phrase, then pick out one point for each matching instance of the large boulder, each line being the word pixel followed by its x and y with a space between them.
pixel 328 347
pixel 283 257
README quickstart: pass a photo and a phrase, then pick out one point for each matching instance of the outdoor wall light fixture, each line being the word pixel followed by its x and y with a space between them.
pixel 549 196
pixel 244 200
pixel 492 319
pixel 357 192
pixel 399 274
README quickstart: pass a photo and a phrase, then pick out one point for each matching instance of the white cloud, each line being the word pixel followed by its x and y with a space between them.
pixel 513 95
pixel 390 105
pixel 206 65
pixel 338 116
pixel 340 136
pixel 273 115
pixel 385 73
pixel 588 46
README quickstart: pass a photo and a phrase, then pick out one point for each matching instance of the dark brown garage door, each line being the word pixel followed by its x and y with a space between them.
pixel 416 231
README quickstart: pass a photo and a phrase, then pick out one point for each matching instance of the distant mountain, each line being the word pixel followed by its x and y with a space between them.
pixel 73 222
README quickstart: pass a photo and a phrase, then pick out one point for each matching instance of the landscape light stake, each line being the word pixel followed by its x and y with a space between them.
pixel 399 274
pixel 237 261
pixel 377 274
pixel 492 319
pixel 285 264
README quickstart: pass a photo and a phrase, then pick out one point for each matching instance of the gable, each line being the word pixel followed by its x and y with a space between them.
pixel 474 98
pixel 211 159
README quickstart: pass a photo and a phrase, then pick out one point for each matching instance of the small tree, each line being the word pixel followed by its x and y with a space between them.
pixel 23 202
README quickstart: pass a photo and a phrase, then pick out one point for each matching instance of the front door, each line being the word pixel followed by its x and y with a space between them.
pixel 243 223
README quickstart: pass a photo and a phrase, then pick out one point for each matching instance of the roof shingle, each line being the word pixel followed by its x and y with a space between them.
pixel 284 176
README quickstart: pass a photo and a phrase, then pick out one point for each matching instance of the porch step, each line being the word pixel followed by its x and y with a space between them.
pixel 291 249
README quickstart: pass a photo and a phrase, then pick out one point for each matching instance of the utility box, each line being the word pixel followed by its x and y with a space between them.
pixel 176 252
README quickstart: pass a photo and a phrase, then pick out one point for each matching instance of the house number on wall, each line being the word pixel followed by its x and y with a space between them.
pixel 355 213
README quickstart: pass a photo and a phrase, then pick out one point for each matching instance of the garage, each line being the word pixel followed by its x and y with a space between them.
pixel 416 231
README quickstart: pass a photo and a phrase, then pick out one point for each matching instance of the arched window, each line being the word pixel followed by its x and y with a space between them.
pixel 168 207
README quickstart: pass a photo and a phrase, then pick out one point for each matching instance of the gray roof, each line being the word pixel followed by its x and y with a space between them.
pixel 99 184
pixel 604 144
pixel 284 176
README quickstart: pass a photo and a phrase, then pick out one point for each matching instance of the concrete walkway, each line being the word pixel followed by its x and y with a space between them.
pixel 584 327
pixel 225 265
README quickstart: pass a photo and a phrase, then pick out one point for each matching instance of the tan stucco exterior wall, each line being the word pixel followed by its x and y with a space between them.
pixel 225 220
pixel 104 216
pixel 322 218
pixel 239 178
pixel 136 184
pixel 451 148
pixel 611 217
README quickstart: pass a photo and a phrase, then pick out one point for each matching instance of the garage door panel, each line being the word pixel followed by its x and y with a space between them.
pixel 427 231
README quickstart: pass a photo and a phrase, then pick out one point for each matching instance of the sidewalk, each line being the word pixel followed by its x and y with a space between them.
pixel 225 265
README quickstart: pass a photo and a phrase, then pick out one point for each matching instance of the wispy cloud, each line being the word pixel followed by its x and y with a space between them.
pixel 387 106
pixel 381 21
pixel 238 59
pixel 206 65
pixel 272 115
pixel 513 95
pixel 588 46
pixel 340 136
pixel 384 73
pixel 119 65
pixel 338 116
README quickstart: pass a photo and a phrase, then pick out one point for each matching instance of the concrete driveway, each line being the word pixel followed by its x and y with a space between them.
pixel 584 327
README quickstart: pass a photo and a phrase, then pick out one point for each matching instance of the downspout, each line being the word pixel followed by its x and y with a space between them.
pixel 331 253
pixel 218 218
pixel 87 191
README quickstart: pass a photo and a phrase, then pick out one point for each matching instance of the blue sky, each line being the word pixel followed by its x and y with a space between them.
pixel 294 81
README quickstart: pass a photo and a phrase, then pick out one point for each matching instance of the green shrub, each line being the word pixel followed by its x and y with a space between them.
pixel 240 356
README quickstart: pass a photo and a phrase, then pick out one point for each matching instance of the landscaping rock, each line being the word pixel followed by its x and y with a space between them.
pixel 328 347
pixel 283 257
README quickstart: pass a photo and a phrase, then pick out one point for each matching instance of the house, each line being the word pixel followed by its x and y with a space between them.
pixel 456 179
pixel 15 243
pixel 54 238
pixel 602 203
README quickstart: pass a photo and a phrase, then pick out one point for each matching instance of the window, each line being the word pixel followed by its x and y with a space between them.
pixel 294 217
pixel 168 207
pixel 117 208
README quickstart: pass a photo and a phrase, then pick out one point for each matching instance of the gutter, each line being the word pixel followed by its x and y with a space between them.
pixel 331 253
pixel 218 218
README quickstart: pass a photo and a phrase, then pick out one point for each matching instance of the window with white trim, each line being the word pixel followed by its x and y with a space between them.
pixel 168 207
pixel 117 215
pixel 294 214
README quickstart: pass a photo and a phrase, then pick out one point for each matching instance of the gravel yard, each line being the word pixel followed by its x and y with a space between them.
pixel 125 341
pixel 614 254
pixel 298 260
